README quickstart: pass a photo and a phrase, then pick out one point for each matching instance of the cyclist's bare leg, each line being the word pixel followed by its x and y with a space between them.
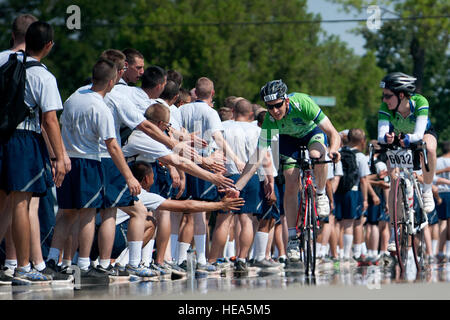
pixel 431 155
pixel 318 150
pixel 292 176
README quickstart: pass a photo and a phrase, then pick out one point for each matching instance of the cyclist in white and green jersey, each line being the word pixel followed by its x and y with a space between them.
pixel 403 111
pixel 298 120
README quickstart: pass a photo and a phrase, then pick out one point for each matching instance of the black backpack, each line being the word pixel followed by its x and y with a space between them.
pixel 349 168
pixel 13 109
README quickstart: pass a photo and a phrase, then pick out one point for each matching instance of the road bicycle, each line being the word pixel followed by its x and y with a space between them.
pixel 408 225
pixel 307 223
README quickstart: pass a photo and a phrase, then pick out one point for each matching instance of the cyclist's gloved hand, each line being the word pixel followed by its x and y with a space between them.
pixel 389 138
pixel 405 141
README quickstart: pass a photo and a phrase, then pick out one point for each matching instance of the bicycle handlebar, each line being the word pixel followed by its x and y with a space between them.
pixel 416 147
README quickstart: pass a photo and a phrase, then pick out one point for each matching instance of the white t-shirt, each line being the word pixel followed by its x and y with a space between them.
pixel 151 201
pixel 85 121
pixel 124 113
pixel 41 89
pixel 199 117
pixel 138 97
pixel 362 164
pixel 242 137
pixel 148 149
pixel 443 163
pixel 175 112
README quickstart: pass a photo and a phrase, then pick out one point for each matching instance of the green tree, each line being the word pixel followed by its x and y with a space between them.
pixel 415 46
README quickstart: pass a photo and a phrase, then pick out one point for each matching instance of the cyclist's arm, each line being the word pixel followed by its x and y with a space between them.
pixel 419 129
pixel 383 129
pixel 333 135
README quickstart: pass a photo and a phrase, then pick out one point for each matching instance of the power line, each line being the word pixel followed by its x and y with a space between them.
pixel 246 23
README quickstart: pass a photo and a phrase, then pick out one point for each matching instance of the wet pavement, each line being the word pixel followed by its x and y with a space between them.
pixel 330 282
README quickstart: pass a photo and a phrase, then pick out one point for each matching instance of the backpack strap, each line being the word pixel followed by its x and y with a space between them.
pixel 30 64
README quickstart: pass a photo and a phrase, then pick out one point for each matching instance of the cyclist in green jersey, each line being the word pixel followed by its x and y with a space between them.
pixel 297 120
pixel 403 111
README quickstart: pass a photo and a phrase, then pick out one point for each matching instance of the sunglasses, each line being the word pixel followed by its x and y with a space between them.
pixel 276 105
pixel 386 96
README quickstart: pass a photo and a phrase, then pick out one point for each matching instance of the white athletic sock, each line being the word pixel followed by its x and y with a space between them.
pixel 53 254
pixel 348 241
pixel 251 252
pixel 40 266
pixel 447 247
pixel 261 239
pixel 320 191
pixel 11 264
pixel 426 187
pixel 66 263
pixel 318 250
pixel 434 247
pixel 84 263
pixel 200 247
pixel 174 246
pixel 104 263
pixel 135 248
pixel 27 268
pixel 324 250
pixel 147 252
pixel 363 248
pixel 226 247
pixel 241 259
pixel 230 249
pixel 182 251
pixel 357 250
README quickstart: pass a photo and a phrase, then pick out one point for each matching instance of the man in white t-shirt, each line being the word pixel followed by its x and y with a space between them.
pixel 350 205
pixel 143 172
pixel 200 117
pixel 443 209
pixel 35 176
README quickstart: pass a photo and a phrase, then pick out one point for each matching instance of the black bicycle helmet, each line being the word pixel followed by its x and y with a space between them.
pixel 399 82
pixel 273 90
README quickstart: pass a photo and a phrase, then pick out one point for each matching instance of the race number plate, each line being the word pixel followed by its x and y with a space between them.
pixel 400 158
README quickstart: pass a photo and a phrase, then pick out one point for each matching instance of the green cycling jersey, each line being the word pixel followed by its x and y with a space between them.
pixel 418 105
pixel 302 116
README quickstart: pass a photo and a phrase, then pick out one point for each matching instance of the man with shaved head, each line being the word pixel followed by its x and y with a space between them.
pixel 199 116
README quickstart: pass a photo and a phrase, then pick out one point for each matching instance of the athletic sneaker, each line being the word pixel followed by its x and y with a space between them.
pixel 175 269
pixel 114 271
pixel 23 277
pixel 6 276
pixel 240 266
pixel 266 264
pixel 323 205
pixel 392 247
pixel 293 250
pixel 141 272
pixel 441 258
pixel 92 276
pixel 206 267
pixel 58 274
pixel 222 264
pixel 428 201
pixel 282 262
pixel 183 265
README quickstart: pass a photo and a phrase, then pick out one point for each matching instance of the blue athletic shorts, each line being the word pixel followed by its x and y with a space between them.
pixel 375 212
pixel 116 190
pixel 198 189
pixel 25 164
pixel 268 212
pixel 164 182
pixel 82 186
pixel 250 193
pixel 348 205
pixel 443 209
pixel 289 145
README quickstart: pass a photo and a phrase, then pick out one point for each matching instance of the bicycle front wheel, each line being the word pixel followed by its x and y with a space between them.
pixel 400 232
pixel 312 226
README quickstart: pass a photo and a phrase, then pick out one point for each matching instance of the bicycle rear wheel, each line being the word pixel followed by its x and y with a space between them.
pixel 312 229
pixel 401 235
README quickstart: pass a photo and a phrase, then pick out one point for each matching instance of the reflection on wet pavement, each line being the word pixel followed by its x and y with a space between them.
pixel 372 277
